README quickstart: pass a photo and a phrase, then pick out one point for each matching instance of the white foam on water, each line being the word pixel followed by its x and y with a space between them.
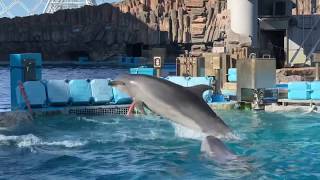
pixel 185 132
pixel 29 140
pixel 20 141
pixel 65 143
pixel 97 121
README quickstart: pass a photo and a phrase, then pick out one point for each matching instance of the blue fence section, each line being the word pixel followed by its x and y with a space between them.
pixel 101 91
pixel 36 93
pixel 299 91
pixel 23 67
pixel 315 90
pixel 80 91
pixel 232 75
pixel 58 92
pixel 52 93
pixel 143 70
pixel 208 96
pixel 120 97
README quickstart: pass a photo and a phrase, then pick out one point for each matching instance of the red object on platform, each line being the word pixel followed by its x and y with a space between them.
pixel 131 108
pixel 25 97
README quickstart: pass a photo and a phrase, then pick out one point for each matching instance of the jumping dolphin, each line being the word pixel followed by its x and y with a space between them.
pixel 215 148
pixel 182 105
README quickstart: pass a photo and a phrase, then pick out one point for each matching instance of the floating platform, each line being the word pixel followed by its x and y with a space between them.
pixel 290 108
pixel 223 105
pixel 85 110
pixel 286 102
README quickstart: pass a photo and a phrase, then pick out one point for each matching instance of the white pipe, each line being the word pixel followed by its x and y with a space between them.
pixel 244 18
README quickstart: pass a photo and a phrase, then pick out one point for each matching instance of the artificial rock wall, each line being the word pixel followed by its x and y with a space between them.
pixel 104 31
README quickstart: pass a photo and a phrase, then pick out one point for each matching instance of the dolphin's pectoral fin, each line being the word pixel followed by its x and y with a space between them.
pixel 199 89
pixel 140 107
pixel 116 83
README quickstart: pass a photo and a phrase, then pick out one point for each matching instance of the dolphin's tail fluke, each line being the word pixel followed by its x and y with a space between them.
pixel 216 149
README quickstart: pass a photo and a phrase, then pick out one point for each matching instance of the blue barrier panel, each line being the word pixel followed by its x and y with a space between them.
pixel 80 91
pixel 299 91
pixel 218 98
pixel 120 97
pixel 101 91
pixel 23 67
pixel 282 86
pixel 232 75
pixel 315 90
pixel 143 70
pixel 194 81
pixel 58 92
pixel 36 94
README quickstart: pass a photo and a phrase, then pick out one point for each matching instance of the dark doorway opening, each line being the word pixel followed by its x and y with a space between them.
pixel 134 50
pixel 280 8
pixel 273 43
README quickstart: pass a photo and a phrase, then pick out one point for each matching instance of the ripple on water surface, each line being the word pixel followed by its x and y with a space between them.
pixel 273 146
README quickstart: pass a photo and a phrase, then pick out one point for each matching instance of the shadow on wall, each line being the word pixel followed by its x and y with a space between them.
pixel 98 32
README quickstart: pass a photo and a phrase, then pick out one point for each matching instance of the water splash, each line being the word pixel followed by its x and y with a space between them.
pixel 184 132
pixel 29 140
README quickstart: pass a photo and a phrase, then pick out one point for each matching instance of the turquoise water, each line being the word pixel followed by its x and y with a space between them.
pixel 274 146
pixel 271 145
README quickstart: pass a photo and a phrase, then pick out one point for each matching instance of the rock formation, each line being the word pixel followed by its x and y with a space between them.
pixel 104 31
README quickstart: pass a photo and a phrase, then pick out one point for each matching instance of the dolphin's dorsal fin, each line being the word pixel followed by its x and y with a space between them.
pixel 199 89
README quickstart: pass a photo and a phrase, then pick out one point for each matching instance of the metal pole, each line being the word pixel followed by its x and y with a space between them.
pixel 317 71
pixel 288 48
pixel 158 72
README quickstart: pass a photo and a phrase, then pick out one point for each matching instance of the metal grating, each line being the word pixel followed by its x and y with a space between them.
pixel 116 110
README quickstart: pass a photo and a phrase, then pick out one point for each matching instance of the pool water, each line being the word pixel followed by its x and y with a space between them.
pixel 271 145
pixel 274 146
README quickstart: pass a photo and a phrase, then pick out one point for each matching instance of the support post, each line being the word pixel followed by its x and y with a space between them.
pixel 157 64
pixel 317 71
pixel 23 67
pixel 288 48
pixel 158 70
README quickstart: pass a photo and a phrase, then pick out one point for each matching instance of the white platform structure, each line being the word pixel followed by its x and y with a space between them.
pixel 55 5
pixel 13 8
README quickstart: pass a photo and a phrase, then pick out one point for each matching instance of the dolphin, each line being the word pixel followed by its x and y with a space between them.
pixel 184 106
pixel 216 149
